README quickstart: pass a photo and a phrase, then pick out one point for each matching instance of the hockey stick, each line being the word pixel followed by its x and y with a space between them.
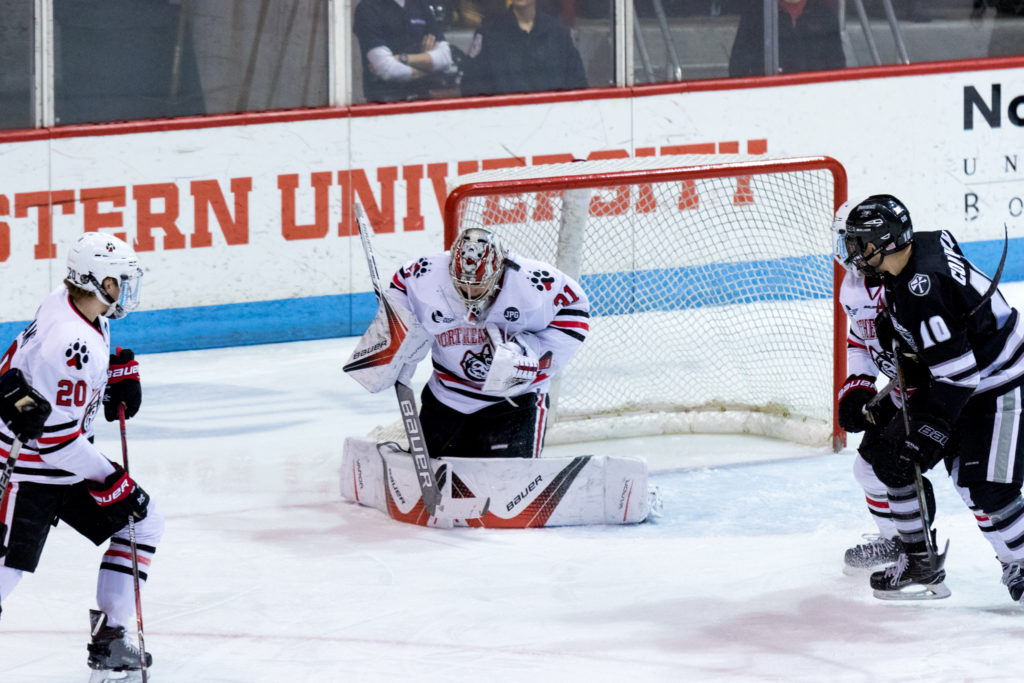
pixel 406 400
pixel 5 479
pixel 5 475
pixel 934 558
pixel 135 550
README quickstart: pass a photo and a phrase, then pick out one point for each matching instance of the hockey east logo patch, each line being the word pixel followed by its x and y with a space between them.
pixel 77 355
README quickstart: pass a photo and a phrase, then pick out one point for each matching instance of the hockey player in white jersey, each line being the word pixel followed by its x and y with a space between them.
pixel 64 354
pixel 500 326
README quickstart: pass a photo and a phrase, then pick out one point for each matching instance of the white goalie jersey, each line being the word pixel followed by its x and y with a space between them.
pixel 537 305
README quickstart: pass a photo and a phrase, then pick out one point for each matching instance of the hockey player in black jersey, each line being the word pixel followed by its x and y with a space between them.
pixel 967 410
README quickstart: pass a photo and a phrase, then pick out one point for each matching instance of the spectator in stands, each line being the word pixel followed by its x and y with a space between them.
pixel 1006 32
pixel 809 38
pixel 522 49
pixel 403 47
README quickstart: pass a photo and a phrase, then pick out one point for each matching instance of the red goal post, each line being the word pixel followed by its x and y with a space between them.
pixel 714 294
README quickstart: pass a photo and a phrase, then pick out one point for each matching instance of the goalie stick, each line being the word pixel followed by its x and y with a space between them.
pixel 430 493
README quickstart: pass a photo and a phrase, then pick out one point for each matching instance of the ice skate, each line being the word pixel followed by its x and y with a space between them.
pixel 878 551
pixel 911 577
pixel 1013 579
pixel 112 657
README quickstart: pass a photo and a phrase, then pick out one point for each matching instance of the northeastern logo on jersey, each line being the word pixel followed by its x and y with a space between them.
pixel 920 285
pixel 477 365
pixel 77 355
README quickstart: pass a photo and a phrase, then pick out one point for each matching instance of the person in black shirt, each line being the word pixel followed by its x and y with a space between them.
pixel 809 38
pixel 403 48
pixel 948 318
pixel 522 50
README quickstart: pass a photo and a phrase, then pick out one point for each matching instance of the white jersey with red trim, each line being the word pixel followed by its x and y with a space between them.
pixel 537 304
pixel 862 302
pixel 65 358
pixel 863 299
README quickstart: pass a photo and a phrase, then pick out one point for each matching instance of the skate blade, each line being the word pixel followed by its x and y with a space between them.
pixel 935 591
pixel 109 676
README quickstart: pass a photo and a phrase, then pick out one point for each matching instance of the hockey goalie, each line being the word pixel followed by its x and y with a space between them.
pixel 498 327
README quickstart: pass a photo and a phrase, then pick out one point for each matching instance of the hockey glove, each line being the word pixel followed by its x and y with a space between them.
pixel 23 409
pixel 923 446
pixel 883 452
pixel 514 366
pixel 123 385
pixel 119 494
pixel 854 396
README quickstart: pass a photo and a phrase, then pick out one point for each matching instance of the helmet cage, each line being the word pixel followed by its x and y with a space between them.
pixel 476 267
pixel 96 257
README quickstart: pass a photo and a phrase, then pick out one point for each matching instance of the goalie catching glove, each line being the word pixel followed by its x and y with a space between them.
pixel 514 365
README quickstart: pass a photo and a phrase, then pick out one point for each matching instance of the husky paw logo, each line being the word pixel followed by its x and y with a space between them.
pixel 420 268
pixel 542 280
pixel 77 355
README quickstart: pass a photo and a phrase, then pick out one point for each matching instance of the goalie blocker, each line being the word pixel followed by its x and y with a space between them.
pixel 499 492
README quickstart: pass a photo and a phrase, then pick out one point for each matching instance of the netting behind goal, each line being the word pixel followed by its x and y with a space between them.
pixel 711 286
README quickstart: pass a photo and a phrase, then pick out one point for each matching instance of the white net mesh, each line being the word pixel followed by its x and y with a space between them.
pixel 711 297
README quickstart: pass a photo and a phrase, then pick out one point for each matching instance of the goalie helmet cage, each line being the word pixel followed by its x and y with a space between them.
pixel 712 285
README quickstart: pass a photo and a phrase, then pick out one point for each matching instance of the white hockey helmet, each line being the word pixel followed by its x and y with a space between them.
pixel 476 267
pixel 839 232
pixel 95 257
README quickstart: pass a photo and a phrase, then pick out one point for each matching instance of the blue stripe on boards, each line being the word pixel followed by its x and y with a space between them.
pixel 343 315
pixel 258 322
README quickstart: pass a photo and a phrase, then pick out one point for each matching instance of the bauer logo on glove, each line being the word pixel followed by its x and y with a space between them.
pixel 123 385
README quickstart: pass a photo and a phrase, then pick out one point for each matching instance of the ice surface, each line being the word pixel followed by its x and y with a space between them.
pixel 265 574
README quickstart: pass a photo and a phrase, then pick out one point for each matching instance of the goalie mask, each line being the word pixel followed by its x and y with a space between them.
pixel 878 226
pixel 476 267
pixel 97 256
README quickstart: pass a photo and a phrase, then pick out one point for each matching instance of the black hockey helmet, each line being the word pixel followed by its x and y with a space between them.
pixel 881 221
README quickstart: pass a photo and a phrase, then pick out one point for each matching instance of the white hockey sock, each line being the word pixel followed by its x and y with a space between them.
pixel 876 497
pixel 115 587
pixel 9 578
pixel 983 520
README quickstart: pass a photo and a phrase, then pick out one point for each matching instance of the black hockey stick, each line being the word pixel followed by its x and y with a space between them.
pixel 5 475
pixel 995 278
pixel 135 551
pixel 934 558
pixel 431 495
pixel 5 479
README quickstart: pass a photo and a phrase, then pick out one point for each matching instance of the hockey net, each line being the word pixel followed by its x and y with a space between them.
pixel 712 286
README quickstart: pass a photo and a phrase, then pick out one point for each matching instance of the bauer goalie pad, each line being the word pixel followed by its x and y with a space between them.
pixel 512 493
pixel 394 341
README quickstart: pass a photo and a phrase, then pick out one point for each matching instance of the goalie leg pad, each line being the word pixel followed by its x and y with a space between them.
pixel 522 492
